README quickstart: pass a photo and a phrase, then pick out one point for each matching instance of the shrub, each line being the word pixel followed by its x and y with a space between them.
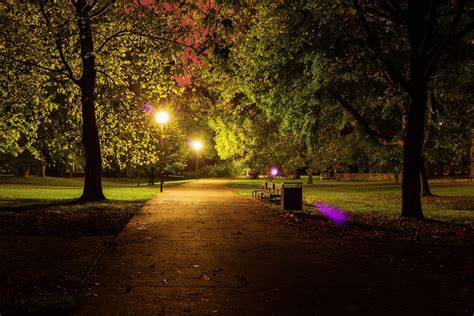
pixel 221 169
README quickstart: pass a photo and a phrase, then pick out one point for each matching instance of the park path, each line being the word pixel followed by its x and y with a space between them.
pixel 200 249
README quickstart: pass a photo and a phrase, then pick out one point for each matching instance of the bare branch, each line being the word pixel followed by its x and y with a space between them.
pixel 361 121
pixel 375 45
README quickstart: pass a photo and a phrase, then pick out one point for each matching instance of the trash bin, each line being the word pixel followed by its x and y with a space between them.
pixel 291 197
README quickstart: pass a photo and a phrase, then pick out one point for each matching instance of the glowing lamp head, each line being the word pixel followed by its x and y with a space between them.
pixel 273 171
pixel 162 117
pixel 197 145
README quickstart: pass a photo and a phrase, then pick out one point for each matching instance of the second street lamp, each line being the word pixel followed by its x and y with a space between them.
pixel 162 118
pixel 197 145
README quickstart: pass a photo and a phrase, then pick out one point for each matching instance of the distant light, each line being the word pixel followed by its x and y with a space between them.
pixel 162 117
pixel 273 171
pixel 197 145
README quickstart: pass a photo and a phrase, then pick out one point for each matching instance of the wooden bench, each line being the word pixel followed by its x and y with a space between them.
pixel 269 192
pixel 453 179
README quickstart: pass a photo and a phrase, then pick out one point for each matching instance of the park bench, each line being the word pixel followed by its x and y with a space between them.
pixel 453 179
pixel 269 192
pixel 289 194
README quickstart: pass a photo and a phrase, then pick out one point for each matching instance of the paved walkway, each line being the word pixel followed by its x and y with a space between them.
pixel 200 249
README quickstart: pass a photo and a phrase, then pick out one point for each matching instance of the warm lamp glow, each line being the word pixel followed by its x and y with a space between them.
pixel 162 117
pixel 197 145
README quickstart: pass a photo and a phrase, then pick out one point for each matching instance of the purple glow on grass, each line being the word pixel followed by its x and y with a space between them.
pixel 147 108
pixel 337 216
pixel 274 171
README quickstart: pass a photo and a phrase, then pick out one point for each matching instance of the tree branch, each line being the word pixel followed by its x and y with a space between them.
pixel 386 15
pixel 101 10
pixel 107 76
pixel 111 37
pixel 450 40
pixel 33 64
pixel 58 45
pixel 364 125
pixel 375 45
pixel 429 29
pixel 28 97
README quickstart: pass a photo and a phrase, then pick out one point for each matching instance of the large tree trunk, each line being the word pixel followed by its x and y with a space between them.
pixel 90 134
pixel 417 85
pixel 413 145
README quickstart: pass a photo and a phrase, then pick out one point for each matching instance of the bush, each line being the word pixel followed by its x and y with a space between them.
pixel 221 169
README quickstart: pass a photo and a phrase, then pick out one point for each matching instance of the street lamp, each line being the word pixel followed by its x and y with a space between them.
pixel 161 118
pixel 197 145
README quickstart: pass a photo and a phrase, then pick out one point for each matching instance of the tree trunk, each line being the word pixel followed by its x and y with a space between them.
pixel 25 172
pixel 310 178
pixel 42 164
pixel 42 168
pixel 414 130
pixel 90 134
pixel 151 180
pixel 413 145
pixel 424 181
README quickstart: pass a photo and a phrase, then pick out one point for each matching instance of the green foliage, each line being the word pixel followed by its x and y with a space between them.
pixel 135 62
pixel 222 169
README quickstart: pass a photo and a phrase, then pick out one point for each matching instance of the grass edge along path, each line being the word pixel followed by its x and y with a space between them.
pixel 453 203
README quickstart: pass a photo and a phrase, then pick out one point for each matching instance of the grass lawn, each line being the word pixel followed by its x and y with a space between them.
pixel 17 190
pixel 453 202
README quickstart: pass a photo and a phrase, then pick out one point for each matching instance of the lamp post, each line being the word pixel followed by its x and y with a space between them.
pixel 161 118
pixel 197 145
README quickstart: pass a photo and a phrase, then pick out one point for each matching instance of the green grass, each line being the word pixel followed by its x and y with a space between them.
pixel 31 189
pixel 454 202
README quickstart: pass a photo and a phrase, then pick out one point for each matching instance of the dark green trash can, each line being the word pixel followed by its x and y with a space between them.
pixel 291 197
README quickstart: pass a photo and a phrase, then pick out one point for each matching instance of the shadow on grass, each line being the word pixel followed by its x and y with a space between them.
pixel 22 205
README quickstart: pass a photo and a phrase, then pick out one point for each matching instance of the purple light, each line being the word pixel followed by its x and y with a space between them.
pixel 273 171
pixel 337 216
pixel 147 108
